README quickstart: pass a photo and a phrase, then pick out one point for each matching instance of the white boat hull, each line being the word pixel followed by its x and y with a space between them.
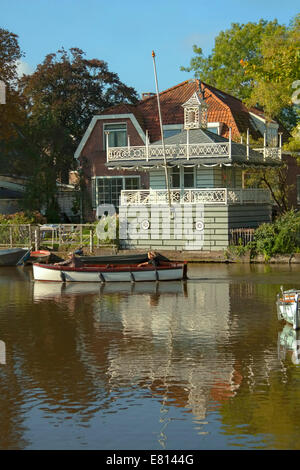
pixel 87 274
pixel 288 308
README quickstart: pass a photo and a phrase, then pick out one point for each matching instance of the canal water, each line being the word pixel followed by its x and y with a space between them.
pixel 202 364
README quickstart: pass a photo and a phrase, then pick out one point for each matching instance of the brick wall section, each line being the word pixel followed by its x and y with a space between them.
pixel 93 155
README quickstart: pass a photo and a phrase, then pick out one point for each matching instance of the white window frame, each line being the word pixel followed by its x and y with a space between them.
pixel 95 201
pixel 264 125
pixel 172 127
pixel 274 127
pixel 109 130
pixel 181 178
pixel 218 125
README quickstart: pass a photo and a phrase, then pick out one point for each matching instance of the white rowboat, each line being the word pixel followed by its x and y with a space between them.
pixel 121 273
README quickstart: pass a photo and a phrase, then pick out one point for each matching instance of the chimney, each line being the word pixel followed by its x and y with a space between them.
pixel 147 95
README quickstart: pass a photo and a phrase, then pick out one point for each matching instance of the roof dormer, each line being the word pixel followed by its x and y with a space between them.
pixel 195 113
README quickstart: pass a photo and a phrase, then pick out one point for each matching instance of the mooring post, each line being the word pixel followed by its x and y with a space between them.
pixel 91 241
pixel 37 239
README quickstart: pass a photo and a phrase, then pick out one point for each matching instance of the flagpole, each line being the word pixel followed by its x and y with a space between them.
pixel 161 131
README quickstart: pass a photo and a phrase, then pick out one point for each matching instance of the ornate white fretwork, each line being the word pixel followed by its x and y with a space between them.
pixel 195 113
pixel 273 153
pixel 209 196
pixel 156 152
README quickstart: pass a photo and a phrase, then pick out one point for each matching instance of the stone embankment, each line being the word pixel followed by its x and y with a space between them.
pixel 201 256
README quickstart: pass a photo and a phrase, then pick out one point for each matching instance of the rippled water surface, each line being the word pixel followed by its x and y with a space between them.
pixel 202 364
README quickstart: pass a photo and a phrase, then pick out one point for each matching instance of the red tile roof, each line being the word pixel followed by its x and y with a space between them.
pixel 222 107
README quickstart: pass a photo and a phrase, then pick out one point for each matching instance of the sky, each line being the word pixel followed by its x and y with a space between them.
pixel 124 33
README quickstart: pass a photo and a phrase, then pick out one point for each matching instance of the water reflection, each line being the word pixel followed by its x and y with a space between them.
pixel 90 364
pixel 55 290
pixel 288 344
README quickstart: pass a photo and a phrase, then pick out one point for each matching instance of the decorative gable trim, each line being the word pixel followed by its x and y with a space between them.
pixel 95 119
pixel 193 101
pixel 195 112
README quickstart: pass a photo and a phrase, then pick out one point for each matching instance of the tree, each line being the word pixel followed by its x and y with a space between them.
pixel 275 180
pixel 12 112
pixel 259 63
pixel 10 53
pixel 67 90
pixel 276 75
pixel 62 96
pixel 222 68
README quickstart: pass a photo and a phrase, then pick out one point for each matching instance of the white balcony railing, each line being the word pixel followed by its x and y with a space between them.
pixel 224 196
pixel 182 151
pixel 273 153
pixel 156 152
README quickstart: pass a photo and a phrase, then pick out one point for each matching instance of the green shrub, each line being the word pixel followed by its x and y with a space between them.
pixel 279 237
pixel 22 218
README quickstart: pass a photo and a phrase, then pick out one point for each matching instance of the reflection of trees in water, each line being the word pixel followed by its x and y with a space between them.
pixel 193 346
pixel 11 409
pixel 61 343
pixel 263 403
pixel 44 361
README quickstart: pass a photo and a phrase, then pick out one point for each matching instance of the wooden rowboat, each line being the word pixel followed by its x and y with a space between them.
pixel 111 273
pixel 128 259
pixel 39 256
pixel 288 308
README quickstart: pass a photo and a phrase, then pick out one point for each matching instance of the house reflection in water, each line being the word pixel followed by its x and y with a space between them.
pixel 170 345
pixel 192 346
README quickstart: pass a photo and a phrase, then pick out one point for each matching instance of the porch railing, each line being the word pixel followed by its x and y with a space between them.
pixel 182 151
pixel 270 153
pixel 156 152
pixel 224 196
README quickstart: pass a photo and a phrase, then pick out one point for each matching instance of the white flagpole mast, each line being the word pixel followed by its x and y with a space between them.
pixel 162 132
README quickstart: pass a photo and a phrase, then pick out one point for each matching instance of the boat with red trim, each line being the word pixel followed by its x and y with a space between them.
pixel 166 271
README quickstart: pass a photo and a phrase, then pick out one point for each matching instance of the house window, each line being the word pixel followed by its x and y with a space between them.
pixel 117 135
pixel 183 177
pixel 214 127
pixel 215 130
pixel 132 183
pixel 171 129
pixel 107 189
pixel 188 177
pixel 272 135
pixel 175 178
pixel 228 177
